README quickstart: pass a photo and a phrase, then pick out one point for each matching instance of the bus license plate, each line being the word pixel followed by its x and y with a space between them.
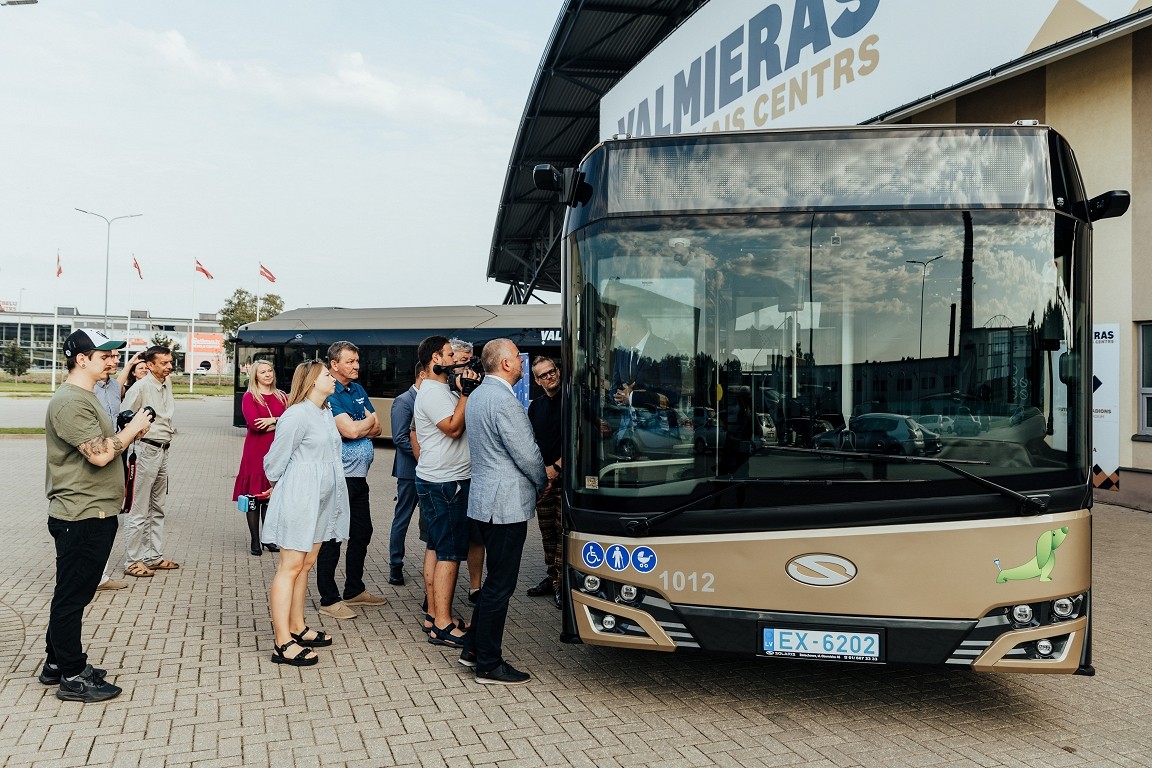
pixel 826 644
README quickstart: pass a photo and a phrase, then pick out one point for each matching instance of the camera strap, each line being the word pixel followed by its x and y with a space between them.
pixel 129 480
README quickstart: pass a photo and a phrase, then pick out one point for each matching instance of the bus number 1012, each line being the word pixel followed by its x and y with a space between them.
pixel 678 581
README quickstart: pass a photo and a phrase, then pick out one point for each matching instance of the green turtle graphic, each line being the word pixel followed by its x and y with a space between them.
pixel 1040 566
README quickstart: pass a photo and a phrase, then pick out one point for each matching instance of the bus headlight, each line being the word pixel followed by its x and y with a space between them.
pixel 1063 607
pixel 591 583
pixel 628 593
pixel 1044 647
pixel 1022 614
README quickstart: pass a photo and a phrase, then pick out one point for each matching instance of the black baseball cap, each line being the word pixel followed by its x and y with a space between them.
pixel 86 340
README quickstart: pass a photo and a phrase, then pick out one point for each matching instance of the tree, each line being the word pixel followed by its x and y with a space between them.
pixel 16 360
pixel 164 340
pixel 240 309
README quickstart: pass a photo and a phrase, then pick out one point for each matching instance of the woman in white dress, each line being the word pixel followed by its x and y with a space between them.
pixel 309 505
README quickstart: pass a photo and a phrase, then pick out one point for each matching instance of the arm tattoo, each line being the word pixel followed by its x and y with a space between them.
pixel 99 445
pixel 93 447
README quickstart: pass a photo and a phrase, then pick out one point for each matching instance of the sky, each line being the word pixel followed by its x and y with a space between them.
pixel 355 148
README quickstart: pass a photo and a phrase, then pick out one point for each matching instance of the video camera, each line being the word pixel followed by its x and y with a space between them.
pixel 124 417
pixel 458 384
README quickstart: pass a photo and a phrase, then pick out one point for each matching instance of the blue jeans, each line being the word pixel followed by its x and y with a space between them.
pixel 405 504
pixel 445 508
pixel 503 547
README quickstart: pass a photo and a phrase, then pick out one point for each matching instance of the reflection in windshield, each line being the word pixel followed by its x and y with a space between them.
pixel 709 344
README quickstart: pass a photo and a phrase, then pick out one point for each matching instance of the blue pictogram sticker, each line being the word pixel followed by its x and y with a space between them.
pixel 618 557
pixel 593 555
pixel 643 559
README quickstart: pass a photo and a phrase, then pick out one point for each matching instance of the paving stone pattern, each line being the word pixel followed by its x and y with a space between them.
pixel 191 648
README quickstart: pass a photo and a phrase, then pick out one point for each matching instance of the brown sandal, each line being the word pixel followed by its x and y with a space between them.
pixel 139 570
pixel 163 565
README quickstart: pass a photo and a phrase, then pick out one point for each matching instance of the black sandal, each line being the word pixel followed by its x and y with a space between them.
pixel 429 624
pixel 322 639
pixel 305 658
pixel 445 637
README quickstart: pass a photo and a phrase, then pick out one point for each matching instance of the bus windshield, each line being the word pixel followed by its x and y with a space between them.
pixel 787 348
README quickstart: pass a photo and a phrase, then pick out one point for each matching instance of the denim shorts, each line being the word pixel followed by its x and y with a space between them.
pixel 444 507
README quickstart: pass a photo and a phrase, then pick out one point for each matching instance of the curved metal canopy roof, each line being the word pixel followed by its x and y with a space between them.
pixel 593 45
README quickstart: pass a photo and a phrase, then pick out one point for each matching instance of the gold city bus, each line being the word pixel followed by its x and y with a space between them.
pixel 387 339
pixel 753 325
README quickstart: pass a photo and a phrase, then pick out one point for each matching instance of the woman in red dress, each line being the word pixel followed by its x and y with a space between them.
pixel 263 404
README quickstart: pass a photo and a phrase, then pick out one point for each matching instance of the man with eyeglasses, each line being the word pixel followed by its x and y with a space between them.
pixel 544 413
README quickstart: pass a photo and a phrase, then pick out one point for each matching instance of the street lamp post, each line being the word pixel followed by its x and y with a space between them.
pixel 923 275
pixel 20 318
pixel 107 252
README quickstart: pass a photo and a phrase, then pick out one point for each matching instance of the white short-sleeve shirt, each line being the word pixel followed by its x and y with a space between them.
pixel 442 458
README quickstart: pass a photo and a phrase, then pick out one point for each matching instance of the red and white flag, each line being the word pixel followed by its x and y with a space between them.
pixel 136 266
pixel 59 269
pixel 201 270
pixel 267 273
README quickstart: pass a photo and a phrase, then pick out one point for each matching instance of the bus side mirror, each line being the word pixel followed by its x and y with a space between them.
pixel 569 183
pixel 1070 368
pixel 546 178
pixel 1109 205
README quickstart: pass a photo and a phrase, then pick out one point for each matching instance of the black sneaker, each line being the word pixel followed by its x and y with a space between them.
pixel 396 576
pixel 87 687
pixel 541 589
pixel 505 674
pixel 467 659
pixel 51 675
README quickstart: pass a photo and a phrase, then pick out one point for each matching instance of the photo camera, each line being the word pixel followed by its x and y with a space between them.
pixel 124 417
pixel 457 384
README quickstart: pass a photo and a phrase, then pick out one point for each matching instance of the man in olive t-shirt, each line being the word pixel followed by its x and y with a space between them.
pixel 84 482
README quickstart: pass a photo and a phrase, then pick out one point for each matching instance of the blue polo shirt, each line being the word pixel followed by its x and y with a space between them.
pixel 356 455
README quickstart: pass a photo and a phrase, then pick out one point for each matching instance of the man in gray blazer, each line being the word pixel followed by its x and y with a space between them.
pixel 507 476
pixel 404 470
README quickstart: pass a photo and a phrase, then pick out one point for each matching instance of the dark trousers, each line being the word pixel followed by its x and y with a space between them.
pixel 405 503
pixel 82 549
pixel 503 547
pixel 359 536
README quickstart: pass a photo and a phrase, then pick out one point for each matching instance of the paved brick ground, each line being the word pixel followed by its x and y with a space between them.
pixel 191 649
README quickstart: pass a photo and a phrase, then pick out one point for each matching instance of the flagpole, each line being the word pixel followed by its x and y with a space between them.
pixel 128 318
pixel 55 318
pixel 191 335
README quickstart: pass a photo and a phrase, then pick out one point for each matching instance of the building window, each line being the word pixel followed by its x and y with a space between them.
pixel 1146 379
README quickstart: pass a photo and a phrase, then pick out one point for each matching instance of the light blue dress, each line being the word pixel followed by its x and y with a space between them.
pixel 310 501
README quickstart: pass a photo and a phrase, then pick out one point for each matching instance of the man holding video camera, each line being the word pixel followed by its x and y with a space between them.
pixel 84 484
pixel 442 478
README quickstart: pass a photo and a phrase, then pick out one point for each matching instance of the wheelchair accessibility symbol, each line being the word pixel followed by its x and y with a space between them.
pixel 592 554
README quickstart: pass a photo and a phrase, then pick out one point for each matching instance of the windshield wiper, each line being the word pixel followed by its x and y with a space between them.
pixel 642 526
pixel 1029 505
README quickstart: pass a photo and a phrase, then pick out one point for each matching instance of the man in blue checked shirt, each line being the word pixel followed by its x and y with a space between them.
pixel 358 424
